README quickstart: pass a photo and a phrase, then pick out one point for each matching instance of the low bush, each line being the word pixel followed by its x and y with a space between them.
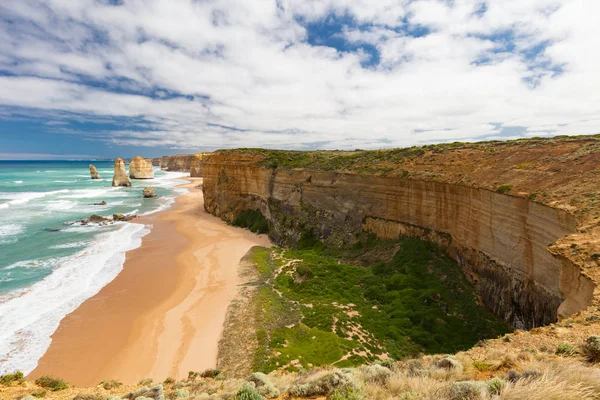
pixel 376 374
pixel 40 394
pixel 504 189
pixel 591 349
pixel 325 385
pixel 210 373
pixel 347 394
pixel 468 390
pixel 565 349
pixel 89 396
pixel 248 392
pixel 112 384
pixel 145 382
pixel 449 362
pixel 263 385
pixel 53 384
pixel 8 379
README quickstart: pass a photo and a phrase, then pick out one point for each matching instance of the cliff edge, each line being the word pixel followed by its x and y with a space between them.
pixel 520 217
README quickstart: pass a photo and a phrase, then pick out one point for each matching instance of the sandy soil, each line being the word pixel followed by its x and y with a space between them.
pixel 163 315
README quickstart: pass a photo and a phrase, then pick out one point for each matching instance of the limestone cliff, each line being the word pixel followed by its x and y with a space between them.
pixel 520 217
pixel 93 173
pixel 197 165
pixel 140 168
pixel 120 175
pixel 178 162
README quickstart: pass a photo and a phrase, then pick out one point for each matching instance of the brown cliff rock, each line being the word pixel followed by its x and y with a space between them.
pixel 120 175
pixel 177 163
pixel 149 192
pixel 140 168
pixel 520 217
pixel 197 165
pixel 93 173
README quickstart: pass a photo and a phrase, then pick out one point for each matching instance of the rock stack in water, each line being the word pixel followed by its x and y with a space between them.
pixel 149 192
pixel 140 168
pixel 93 173
pixel 120 177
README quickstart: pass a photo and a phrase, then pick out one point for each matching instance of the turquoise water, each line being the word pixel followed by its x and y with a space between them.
pixel 50 263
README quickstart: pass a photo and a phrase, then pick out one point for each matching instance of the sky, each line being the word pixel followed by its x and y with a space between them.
pixel 107 78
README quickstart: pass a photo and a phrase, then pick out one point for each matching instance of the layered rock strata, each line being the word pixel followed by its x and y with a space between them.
pixel 197 165
pixel 120 177
pixel 140 168
pixel 519 253
pixel 93 173
pixel 178 163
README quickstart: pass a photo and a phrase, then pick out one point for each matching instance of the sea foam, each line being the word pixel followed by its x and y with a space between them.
pixel 29 316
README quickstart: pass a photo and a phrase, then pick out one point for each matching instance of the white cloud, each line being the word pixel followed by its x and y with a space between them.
pixel 187 69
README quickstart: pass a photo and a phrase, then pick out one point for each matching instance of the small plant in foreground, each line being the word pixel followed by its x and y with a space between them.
pixel 591 349
pixel 113 384
pixel 169 381
pixel 53 384
pixel 496 385
pixel 347 393
pixel 248 392
pixel 8 379
pixel 210 373
pixel 89 396
pixel 40 394
pixel 565 349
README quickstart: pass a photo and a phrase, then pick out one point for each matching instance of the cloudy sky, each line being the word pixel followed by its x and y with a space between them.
pixel 112 77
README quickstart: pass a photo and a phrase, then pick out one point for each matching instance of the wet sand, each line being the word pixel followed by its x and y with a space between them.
pixel 163 315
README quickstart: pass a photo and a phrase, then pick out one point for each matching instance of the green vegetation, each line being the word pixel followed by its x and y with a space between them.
pixel 248 392
pixel 40 394
pixel 109 385
pixel 8 379
pixel 504 188
pixel 253 220
pixel 565 349
pixel 50 383
pixel 314 309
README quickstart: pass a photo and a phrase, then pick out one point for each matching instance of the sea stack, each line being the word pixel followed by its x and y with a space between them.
pixel 140 168
pixel 149 192
pixel 93 173
pixel 120 177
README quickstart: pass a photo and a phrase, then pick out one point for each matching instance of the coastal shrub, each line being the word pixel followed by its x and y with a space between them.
pixel 8 379
pixel 50 383
pixel 503 188
pixel 450 363
pixel 565 349
pixel 496 385
pixel 376 374
pixel 112 384
pixel 145 382
pixel 210 373
pixel 169 381
pixel 89 396
pixel 40 394
pixel 482 366
pixel 155 392
pixel 325 385
pixel 263 385
pixel 468 390
pixel 180 394
pixel 248 392
pixel 347 393
pixel 591 349
pixel 253 220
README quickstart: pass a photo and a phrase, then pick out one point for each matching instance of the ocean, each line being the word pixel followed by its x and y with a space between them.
pixel 49 263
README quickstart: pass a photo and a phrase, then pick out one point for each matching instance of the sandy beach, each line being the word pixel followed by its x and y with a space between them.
pixel 163 314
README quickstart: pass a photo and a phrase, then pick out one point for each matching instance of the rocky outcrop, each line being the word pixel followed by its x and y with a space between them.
pixel 120 177
pixel 140 168
pixel 149 192
pixel 512 248
pixel 93 173
pixel 178 163
pixel 197 165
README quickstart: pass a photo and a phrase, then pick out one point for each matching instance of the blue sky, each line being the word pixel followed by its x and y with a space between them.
pixel 100 78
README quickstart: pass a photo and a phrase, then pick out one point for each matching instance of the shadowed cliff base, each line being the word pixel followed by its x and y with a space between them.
pixel 520 217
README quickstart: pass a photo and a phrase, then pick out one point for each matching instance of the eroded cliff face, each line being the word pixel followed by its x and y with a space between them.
pixel 120 177
pixel 178 162
pixel 517 252
pixel 140 168
pixel 197 165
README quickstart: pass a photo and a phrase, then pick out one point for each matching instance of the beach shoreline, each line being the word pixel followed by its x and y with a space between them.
pixel 163 315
